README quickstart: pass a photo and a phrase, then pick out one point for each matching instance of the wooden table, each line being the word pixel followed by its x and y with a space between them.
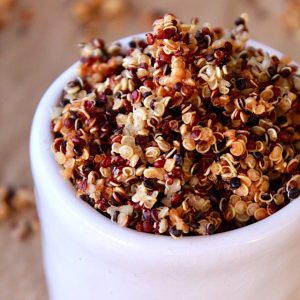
pixel 31 58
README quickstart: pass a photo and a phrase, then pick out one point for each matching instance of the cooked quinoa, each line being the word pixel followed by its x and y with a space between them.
pixel 186 132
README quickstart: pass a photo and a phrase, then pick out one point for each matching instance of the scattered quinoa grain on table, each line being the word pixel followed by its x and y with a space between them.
pixel 188 131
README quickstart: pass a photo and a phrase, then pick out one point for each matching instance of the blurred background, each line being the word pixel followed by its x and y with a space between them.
pixel 38 40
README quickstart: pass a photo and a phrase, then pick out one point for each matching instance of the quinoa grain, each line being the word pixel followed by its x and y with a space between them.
pixel 187 132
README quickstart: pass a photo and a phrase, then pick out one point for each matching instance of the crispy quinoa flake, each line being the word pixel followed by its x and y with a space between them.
pixel 186 132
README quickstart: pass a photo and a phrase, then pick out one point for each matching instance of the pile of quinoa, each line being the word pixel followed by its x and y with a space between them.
pixel 186 132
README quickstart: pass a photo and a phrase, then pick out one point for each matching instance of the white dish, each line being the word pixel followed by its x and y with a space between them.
pixel 86 256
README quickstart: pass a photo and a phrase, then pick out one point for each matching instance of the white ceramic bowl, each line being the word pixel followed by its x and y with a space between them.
pixel 86 256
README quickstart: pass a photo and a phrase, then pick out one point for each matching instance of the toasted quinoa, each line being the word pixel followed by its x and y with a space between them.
pixel 186 132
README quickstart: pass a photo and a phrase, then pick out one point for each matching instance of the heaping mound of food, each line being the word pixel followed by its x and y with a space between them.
pixel 185 132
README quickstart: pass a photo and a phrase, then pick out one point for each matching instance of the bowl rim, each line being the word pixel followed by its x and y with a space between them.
pixel 45 169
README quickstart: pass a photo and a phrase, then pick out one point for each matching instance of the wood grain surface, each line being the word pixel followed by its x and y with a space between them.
pixel 35 48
